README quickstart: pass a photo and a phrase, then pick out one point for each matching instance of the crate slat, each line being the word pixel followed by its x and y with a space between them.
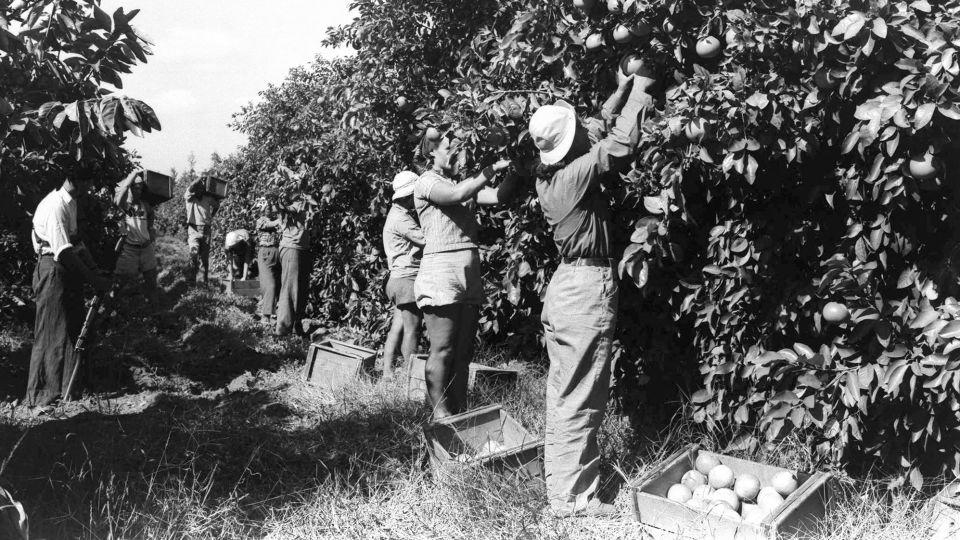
pixel 492 377
pixel 416 377
pixel 249 288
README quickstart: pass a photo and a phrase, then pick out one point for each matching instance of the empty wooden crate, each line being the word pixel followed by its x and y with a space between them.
pixel 332 364
pixel 486 437
pixel 159 187
pixel 215 186
pixel 492 378
pixel 249 288
pixel 798 517
pixel 416 377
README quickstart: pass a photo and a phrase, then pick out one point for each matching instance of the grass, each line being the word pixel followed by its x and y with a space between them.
pixel 200 427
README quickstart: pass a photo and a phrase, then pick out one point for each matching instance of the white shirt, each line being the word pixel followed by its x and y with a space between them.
pixel 55 222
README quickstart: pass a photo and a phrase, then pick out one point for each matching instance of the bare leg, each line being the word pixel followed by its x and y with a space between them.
pixel 411 330
pixel 390 346
pixel 442 323
pixel 466 334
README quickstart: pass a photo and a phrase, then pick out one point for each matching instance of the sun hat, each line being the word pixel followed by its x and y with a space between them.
pixel 403 184
pixel 553 128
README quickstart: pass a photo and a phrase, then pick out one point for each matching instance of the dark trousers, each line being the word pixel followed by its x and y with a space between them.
pixel 59 299
pixel 292 301
pixel 268 263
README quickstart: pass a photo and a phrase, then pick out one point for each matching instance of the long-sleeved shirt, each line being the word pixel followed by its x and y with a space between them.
pixel 403 242
pixel 55 223
pixel 572 200
pixel 449 227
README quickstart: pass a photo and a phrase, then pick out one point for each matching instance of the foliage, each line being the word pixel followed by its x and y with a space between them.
pixel 773 178
pixel 58 62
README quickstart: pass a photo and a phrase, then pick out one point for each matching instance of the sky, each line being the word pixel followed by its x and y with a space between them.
pixel 210 58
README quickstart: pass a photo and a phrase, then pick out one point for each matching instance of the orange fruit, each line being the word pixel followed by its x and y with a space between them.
pixel 721 477
pixel 622 34
pixel 693 479
pixel 785 482
pixel 747 487
pixel 835 312
pixel 585 5
pixel 924 166
pixel 594 42
pixel 708 47
pixel 679 493
pixel 706 462
pixel 727 497
pixel 769 499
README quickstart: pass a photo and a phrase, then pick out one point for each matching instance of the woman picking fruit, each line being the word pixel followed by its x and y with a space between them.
pixel 448 287
pixel 580 307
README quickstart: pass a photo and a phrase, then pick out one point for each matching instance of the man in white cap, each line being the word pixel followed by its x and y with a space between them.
pixel 580 307
pixel 403 244
pixel 137 255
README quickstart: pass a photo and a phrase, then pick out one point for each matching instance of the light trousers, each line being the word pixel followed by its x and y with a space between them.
pixel 579 318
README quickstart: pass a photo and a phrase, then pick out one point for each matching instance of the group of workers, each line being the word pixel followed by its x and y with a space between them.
pixel 430 240
pixel 64 264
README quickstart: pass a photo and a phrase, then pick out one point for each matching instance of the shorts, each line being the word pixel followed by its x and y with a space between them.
pixel 400 291
pixel 134 260
pixel 449 277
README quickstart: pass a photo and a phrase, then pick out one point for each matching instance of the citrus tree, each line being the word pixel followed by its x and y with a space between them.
pixel 787 223
pixel 59 63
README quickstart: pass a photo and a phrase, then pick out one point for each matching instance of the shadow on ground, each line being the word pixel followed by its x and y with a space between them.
pixel 242 448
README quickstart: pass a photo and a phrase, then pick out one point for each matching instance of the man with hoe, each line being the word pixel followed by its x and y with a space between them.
pixel 201 207
pixel 63 265
pixel 137 254
pixel 580 307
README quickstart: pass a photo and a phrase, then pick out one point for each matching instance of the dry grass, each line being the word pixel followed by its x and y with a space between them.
pixel 203 429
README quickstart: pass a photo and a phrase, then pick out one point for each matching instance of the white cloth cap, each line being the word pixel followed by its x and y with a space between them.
pixel 403 184
pixel 553 128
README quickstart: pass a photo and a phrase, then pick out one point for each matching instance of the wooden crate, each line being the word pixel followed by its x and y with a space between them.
pixel 944 510
pixel 493 378
pixel 457 440
pixel 799 515
pixel 332 364
pixel 416 377
pixel 249 288
pixel 159 187
pixel 215 187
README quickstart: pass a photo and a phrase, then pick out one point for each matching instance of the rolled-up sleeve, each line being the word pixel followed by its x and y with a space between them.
pixel 613 151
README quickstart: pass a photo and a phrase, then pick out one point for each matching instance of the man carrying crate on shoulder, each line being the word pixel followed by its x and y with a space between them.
pixel 138 254
pixel 201 207
pixel 63 265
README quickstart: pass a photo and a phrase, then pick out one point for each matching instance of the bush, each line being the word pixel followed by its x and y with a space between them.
pixel 56 115
pixel 775 178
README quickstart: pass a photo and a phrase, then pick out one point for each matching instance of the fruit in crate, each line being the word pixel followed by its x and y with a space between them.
pixel 747 487
pixel 769 499
pixel 785 482
pixel 679 493
pixel 703 492
pixel 753 513
pixel 693 479
pixel 727 497
pixel 706 462
pixel 721 476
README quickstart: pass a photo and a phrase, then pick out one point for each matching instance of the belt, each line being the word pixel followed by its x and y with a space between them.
pixel 588 261
pixel 138 246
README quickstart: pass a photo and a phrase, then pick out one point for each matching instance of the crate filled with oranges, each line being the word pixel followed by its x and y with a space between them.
pixel 699 494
